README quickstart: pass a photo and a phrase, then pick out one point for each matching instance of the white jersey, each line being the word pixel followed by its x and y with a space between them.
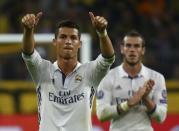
pixel 65 103
pixel 117 87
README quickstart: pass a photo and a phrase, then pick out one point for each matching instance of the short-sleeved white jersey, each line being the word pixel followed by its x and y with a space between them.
pixel 65 103
pixel 117 87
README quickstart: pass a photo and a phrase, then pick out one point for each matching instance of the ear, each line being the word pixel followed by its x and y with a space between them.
pixel 143 50
pixel 54 42
pixel 80 44
pixel 122 49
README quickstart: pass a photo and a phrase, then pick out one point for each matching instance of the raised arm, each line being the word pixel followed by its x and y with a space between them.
pixel 29 22
pixel 100 24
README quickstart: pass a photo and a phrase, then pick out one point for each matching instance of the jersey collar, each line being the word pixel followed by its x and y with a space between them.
pixel 57 68
pixel 142 73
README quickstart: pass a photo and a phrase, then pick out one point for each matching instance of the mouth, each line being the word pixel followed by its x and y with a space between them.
pixel 132 56
pixel 68 48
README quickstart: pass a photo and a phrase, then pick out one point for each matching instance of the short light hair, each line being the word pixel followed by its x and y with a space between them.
pixel 134 33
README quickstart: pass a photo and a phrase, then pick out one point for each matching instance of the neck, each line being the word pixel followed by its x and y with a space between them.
pixel 67 65
pixel 132 70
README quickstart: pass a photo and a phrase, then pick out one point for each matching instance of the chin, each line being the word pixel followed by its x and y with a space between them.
pixel 67 57
pixel 132 63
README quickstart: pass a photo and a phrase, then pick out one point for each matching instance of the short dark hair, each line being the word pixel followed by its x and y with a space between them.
pixel 67 23
pixel 134 33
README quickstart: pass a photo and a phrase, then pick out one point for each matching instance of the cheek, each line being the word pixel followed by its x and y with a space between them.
pixel 122 50
pixel 142 52
pixel 58 47
pixel 77 44
pixel 77 48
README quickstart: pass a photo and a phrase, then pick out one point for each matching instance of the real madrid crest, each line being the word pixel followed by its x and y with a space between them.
pixel 78 78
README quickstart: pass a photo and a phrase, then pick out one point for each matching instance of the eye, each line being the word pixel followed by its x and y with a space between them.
pixel 128 45
pixel 74 37
pixel 137 46
pixel 62 36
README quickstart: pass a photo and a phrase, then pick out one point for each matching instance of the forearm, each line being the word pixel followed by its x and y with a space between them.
pixel 159 114
pixel 107 112
pixel 150 105
pixel 106 46
pixel 155 111
pixel 28 41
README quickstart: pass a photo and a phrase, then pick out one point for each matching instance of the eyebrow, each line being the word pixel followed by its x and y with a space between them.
pixel 133 45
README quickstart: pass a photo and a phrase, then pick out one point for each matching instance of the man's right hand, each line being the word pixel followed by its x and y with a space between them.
pixel 30 20
pixel 137 96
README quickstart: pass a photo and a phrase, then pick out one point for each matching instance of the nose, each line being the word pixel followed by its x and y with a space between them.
pixel 68 40
pixel 132 48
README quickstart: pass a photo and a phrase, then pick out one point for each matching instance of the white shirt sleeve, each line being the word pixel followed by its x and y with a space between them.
pixel 105 111
pixel 160 99
pixel 98 68
pixel 33 63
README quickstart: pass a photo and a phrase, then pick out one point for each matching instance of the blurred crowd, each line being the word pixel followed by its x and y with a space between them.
pixel 157 20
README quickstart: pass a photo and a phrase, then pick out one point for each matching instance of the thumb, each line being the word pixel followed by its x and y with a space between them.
pixel 37 17
pixel 92 17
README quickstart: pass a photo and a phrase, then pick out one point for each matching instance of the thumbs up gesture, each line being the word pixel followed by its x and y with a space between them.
pixel 99 23
pixel 29 21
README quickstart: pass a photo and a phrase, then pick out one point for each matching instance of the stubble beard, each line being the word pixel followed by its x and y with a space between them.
pixel 132 63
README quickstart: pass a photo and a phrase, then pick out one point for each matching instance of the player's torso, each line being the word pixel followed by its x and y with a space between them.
pixel 122 89
pixel 67 101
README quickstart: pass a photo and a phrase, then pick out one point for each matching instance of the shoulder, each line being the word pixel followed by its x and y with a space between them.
pixel 153 73
pixel 83 66
pixel 114 72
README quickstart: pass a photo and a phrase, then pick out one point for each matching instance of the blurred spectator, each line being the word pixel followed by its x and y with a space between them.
pixel 156 19
pixel 176 71
pixel 4 24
